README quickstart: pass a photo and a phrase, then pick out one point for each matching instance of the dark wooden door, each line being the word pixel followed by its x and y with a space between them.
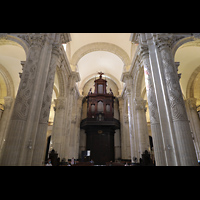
pixel 100 141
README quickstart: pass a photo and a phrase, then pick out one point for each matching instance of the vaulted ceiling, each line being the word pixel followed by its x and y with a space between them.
pixel 89 53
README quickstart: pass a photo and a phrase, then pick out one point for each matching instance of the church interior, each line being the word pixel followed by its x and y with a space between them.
pixel 91 99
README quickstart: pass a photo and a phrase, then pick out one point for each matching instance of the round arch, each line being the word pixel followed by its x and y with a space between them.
pixel 187 42
pixel 61 82
pixel 8 81
pixel 181 42
pixel 138 75
pixel 9 76
pixel 190 85
pixel 100 46
pixel 16 40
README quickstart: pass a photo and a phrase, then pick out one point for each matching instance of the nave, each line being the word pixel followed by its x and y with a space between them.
pixel 116 95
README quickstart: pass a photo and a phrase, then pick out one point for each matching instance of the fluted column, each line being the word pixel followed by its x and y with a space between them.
pixel 143 136
pixel 183 135
pixel 159 151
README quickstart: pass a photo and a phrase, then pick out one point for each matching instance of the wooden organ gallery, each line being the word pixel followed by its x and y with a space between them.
pixel 100 124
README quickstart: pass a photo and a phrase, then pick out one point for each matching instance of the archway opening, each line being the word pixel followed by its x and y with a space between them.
pixel 96 61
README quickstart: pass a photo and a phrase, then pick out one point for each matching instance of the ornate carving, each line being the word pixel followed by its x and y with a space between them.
pixel 44 116
pixel 153 110
pixel 56 49
pixel 60 103
pixel 143 51
pixel 33 39
pixel 25 90
pixel 166 39
pixel 4 36
pixel 173 86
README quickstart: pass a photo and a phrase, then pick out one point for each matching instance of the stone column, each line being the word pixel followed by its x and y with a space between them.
pixel 73 133
pixel 4 122
pixel 194 123
pixel 75 128
pixel 21 118
pixel 39 148
pixel 140 108
pixel 159 151
pixel 117 136
pixel 73 78
pixel 21 143
pixel 132 128
pixel 162 100
pixel 78 121
pixel 122 131
pixel 183 135
pixel 58 125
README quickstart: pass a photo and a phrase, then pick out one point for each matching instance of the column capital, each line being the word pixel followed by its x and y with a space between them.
pixel 140 104
pixel 192 103
pixel 126 77
pixel 163 40
pixel 121 103
pixel 166 40
pixel 75 76
pixel 143 50
pixel 37 39
pixel 60 103
pixel 8 101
